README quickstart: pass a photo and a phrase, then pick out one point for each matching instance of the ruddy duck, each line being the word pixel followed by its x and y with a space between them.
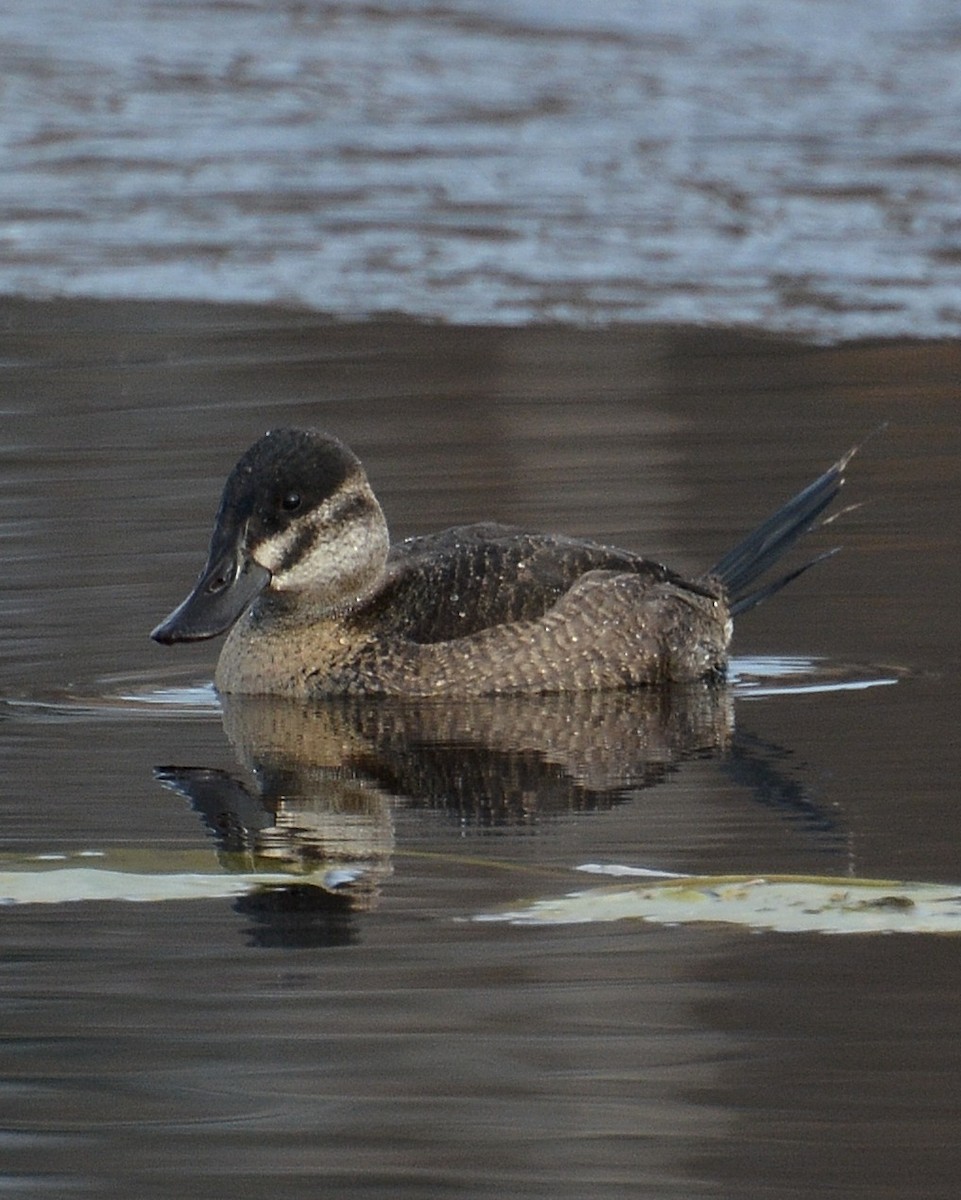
pixel 318 603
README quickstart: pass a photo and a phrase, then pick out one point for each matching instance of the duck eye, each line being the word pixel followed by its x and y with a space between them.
pixel 291 501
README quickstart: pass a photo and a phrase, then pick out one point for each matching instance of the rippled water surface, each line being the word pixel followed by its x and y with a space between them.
pixel 789 165
pixel 243 961
pixel 240 953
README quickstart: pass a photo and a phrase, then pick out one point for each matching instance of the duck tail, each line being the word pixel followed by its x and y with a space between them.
pixel 743 565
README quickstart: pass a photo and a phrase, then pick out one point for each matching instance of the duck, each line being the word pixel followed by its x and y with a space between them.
pixel 316 602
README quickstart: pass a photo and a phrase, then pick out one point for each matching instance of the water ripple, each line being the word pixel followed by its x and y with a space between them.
pixel 501 163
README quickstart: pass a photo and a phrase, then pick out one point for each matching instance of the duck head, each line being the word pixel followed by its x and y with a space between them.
pixel 297 517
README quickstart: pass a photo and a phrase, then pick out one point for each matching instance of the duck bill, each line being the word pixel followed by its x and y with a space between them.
pixel 230 582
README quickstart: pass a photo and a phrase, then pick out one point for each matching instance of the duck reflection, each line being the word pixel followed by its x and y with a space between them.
pixel 318 782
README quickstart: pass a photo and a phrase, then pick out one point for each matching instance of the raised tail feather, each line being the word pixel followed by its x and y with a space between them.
pixel 742 566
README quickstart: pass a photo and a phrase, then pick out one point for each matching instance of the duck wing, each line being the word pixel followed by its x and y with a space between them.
pixel 457 583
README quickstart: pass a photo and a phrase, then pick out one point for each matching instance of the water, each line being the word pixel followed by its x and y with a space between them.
pixel 552 217
pixel 790 166
pixel 357 1030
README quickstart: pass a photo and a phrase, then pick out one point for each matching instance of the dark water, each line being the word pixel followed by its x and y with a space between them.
pixel 790 165
pixel 370 1039
pixel 503 187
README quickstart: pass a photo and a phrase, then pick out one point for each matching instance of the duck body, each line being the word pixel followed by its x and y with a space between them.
pixel 483 609
pixel 318 604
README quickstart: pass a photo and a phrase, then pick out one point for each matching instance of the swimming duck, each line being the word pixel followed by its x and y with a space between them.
pixel 318 603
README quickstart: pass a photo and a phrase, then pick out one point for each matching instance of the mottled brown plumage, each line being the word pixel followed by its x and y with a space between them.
pixel 299 567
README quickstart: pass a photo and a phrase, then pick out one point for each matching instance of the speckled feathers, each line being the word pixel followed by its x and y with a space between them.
pixel 300 567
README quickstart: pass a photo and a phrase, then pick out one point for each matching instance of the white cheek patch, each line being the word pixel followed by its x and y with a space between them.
pixel 332 549
pixel 275 551
pixel 329 557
